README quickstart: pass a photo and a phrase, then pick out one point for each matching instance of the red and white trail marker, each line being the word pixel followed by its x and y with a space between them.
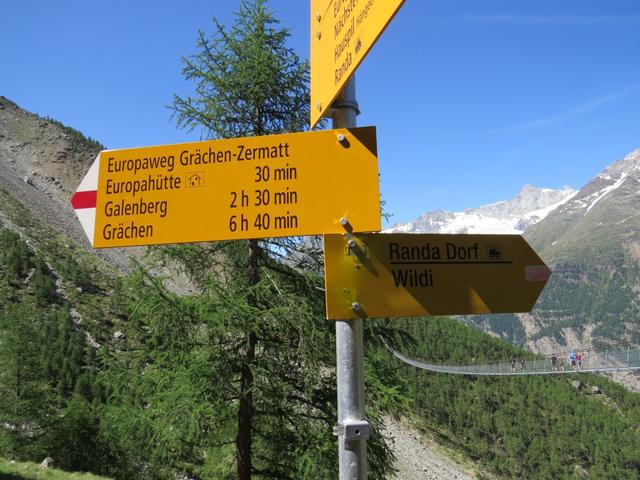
pixel 84 200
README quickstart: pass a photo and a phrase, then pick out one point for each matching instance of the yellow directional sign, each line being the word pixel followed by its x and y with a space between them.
pixel 394 275
pixel 257 187
pixel 342 33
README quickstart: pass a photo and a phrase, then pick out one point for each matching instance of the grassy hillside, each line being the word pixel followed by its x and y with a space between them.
pixel 32 471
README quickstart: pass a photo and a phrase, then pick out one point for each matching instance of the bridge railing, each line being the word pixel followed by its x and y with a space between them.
pixel 617 357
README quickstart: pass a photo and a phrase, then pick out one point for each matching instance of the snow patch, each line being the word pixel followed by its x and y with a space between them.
pixel 403 228
pixel 504 217
pixel 605 191
pixel 543 212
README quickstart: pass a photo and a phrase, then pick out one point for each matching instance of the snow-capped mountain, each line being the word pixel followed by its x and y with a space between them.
pixel 590 239
pixel 591 242
pixel 605 212
pixel 530 206
pixel 626 171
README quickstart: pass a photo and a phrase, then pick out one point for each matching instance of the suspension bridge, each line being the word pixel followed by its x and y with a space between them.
pixel 615 358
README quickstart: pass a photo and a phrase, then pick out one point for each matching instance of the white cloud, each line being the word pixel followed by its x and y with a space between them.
pixel 551 19
pixel 575 112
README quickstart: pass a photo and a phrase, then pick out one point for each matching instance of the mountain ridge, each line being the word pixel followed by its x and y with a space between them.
pixel 41 164
pixel 515 215
pixel 605 204
pixel 592 243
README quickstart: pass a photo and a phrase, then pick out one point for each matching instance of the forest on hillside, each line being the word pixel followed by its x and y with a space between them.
pixel 143 406
pixel 534 427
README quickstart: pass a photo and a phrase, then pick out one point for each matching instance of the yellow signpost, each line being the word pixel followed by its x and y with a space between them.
pixel 394 275
pixel 256 187
pixel 313 183
pixel 342 33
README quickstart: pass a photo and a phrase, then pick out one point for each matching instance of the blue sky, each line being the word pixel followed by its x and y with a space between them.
pixel 472 99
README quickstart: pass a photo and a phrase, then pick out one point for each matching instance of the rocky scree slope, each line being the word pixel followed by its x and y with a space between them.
pixel 41 164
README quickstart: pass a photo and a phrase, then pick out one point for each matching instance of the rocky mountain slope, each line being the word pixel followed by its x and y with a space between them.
pixel 592 243
pixel 41 164
pixel 605 210
pixel 591 239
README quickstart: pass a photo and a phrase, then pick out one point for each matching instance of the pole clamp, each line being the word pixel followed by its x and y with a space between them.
pixel 338 105
pixel 353 430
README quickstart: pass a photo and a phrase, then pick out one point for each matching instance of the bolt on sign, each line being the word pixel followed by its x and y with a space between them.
pixel 342 34
pixel 257 187
pixel 395 275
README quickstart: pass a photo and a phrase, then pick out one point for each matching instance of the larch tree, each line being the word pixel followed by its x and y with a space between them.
pixel 235 380
pixel 248 83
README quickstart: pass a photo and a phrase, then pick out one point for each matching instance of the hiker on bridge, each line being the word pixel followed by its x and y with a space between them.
pixel 562 362
pixel 572 358
pixel 578 361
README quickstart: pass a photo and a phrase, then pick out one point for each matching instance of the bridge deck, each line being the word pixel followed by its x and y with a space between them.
pixel 617 358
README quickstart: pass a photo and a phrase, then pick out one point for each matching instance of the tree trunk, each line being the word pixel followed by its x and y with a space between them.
pixel 245 407
pixel 245 414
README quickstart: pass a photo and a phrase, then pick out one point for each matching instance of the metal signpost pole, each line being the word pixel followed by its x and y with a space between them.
pixel 352 429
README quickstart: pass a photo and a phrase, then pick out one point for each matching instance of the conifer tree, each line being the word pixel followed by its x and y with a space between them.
pixel 237 380
pixel 248 83
pixel 26 400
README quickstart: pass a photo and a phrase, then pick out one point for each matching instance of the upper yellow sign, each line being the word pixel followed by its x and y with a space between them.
pixel 342 33
pixel 256 187
pixel 395 275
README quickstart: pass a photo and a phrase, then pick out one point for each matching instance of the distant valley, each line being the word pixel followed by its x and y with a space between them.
pixel 591 239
